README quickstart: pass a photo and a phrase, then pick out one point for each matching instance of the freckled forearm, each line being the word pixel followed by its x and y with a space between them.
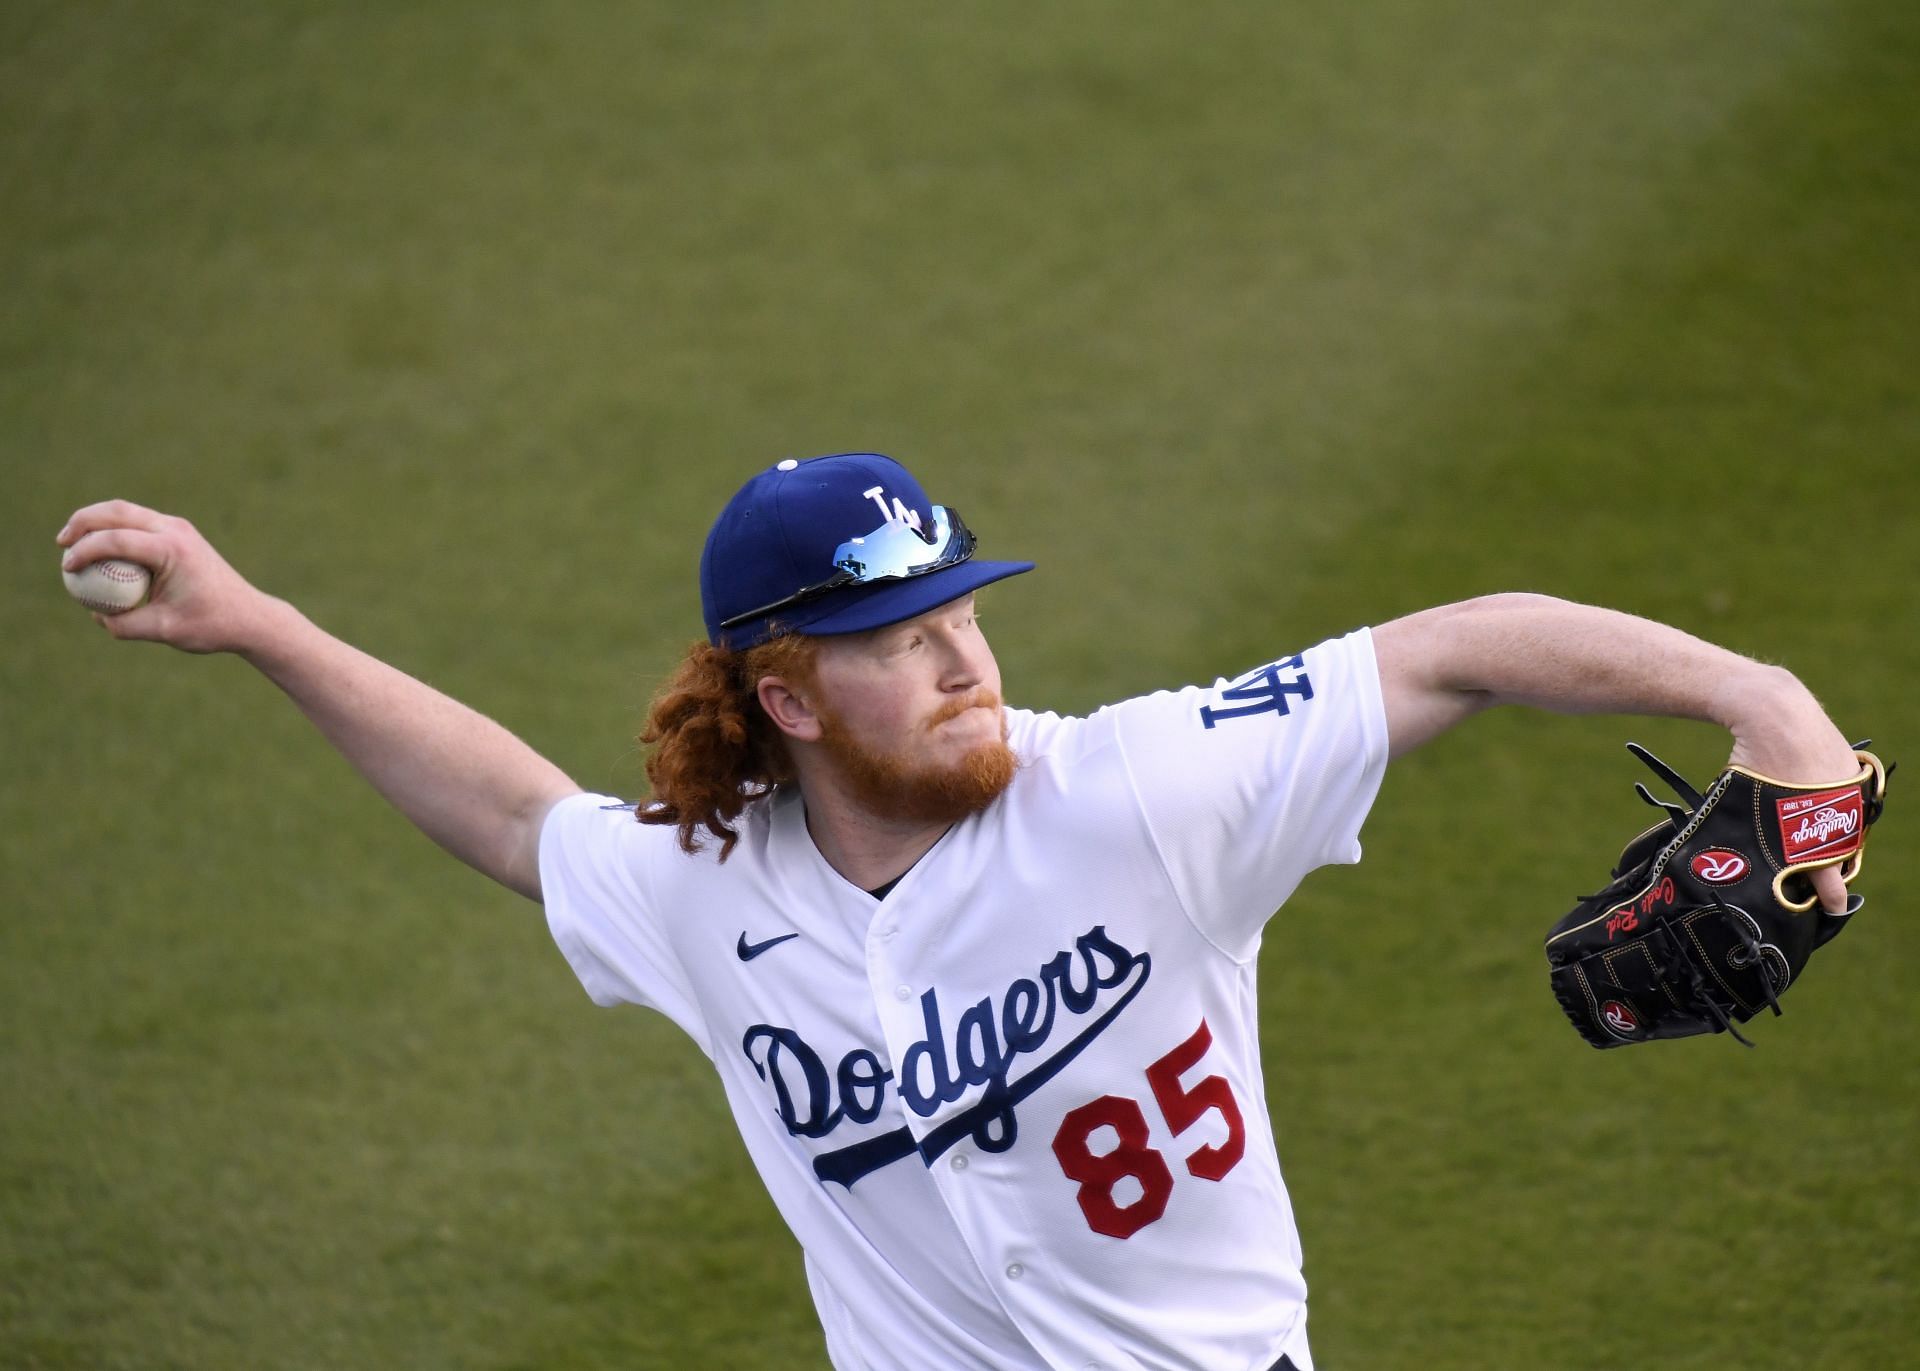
pixel 1442 665
pixel 464 780
pixel 1581 659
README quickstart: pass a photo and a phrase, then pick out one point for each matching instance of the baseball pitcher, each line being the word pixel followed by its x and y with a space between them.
pixel 978 982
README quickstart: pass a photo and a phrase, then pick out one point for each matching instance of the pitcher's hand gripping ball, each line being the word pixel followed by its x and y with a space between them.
pixel 1710 915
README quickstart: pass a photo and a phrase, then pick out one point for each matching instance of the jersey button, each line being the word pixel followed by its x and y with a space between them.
pixel 959 1163
pixel 903 992
pixel 1015 1271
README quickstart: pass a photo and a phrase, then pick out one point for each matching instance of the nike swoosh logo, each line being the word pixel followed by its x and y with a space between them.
pixel 748 951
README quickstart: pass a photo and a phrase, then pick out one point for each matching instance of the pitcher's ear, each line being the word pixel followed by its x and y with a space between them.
pixel 792 713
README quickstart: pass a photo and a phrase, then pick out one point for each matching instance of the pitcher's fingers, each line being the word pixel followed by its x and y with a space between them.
pixel 145 624
pixel 135 545
pixel 109 514
pixel 1831 889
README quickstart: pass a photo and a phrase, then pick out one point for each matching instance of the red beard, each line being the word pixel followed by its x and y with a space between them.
pixel 894 789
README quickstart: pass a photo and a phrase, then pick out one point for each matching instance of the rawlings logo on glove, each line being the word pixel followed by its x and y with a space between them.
pixel 1710 916
pixel 1834 824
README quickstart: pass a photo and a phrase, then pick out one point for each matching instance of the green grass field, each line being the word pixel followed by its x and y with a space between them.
pixel 455 324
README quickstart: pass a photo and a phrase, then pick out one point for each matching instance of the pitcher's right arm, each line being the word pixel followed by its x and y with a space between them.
pixel 465 781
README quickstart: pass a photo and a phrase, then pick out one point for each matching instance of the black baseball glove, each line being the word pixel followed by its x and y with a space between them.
pixel 1710 914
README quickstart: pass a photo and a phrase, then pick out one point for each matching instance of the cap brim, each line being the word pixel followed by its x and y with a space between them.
pixel 859 608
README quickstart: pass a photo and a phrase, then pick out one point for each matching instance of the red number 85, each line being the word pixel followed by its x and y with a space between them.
pixel 1182 1107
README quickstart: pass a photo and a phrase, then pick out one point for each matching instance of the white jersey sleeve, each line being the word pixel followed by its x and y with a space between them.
pixel 1249 785
pixel 597 882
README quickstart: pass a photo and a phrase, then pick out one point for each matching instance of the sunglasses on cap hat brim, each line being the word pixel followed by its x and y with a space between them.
pixel 896 551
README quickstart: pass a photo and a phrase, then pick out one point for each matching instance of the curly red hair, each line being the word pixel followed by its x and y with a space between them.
pixel 712 750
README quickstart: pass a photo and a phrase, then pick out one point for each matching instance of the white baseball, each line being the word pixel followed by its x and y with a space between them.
pixel 113 586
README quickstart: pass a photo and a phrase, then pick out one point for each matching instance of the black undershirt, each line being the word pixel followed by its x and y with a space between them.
pixel 881 891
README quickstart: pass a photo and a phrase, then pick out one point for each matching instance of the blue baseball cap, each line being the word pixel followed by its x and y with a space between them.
pixel 832 545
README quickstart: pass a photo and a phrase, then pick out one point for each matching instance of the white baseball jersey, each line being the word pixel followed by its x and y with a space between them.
pixel 1013 1111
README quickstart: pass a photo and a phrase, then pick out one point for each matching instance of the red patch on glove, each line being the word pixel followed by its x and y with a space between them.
pixel 1825 825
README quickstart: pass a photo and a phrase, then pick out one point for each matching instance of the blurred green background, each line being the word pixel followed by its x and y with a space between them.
pixel 455 324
